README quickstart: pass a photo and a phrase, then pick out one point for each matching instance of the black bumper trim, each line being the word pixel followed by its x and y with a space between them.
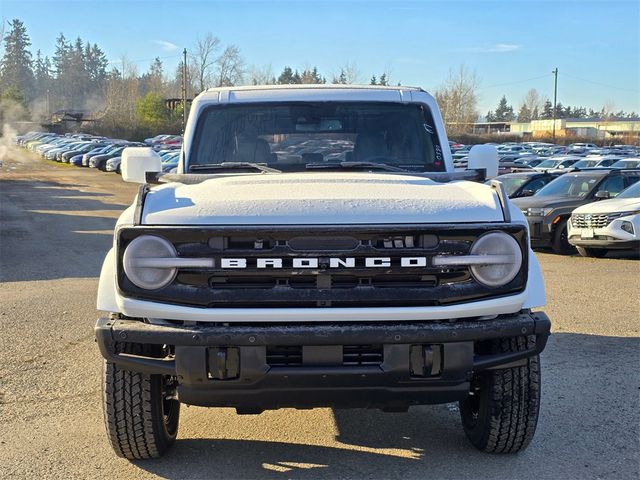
pixel 109 332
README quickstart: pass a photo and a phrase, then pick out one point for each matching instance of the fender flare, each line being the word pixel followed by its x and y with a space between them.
pixel 107 297
pixel 536 296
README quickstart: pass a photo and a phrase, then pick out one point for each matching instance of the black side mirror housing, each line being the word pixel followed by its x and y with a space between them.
pixel 602 195
pixel 527 193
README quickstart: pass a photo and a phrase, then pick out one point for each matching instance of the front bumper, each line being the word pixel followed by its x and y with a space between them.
pixel 540 231
pixel 234 366
pixel 611 237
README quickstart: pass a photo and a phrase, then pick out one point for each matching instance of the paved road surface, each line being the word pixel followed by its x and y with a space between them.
pixel 56 225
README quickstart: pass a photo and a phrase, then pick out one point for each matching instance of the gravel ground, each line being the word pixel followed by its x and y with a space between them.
pixel 56 226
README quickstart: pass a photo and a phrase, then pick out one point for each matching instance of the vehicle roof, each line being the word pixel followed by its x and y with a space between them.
pixel 313 86
pixel 256 93
pixel 602 171
pixel 533 173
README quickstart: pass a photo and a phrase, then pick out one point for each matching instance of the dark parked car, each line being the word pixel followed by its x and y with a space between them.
pixel 548 210
pixel 100 161
pixel 525 184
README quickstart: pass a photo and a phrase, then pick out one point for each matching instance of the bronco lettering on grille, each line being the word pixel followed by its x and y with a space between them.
pixel 318 262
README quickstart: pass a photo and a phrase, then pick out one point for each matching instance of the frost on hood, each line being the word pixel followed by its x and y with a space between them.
pixel 321 198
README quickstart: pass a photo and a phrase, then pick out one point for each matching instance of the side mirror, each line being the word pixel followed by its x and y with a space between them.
pixel 485 157
pixel 137 161
pixel 602 195
pixel 527 193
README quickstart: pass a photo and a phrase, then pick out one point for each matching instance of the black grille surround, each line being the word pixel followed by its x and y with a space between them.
pixel 323 286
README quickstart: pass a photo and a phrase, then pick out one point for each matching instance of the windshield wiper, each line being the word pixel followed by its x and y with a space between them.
pixel 379 166
pixel 261 167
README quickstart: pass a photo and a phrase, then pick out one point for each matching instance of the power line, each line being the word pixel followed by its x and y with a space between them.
pixel 601 84
pixel 113 62
pixel 517 81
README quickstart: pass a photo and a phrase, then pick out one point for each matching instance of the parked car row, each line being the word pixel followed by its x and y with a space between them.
pixel 565 196
pixel 545 156
pixel 84 150
pixel 573 210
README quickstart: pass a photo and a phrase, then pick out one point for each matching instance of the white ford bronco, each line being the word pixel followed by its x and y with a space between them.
pixel 316 248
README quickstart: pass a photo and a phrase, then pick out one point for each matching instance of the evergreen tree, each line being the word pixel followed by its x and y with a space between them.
pixel 547 111
pixel 579 112
pixel 383 80
pixel 311 76
pixel 535 114
pixel 16 66
pixel 43 75
pixel 374 81
pixel 504 111
pixel 559 110
pixel 60 55
pixel 95 64
pixel 152 81
pixel 524 115
pixel 286 77
pixel 340 79
pixel 490 117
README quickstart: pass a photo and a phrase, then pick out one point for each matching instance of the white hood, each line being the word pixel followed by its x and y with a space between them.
pixel 320 198
pixel 610 206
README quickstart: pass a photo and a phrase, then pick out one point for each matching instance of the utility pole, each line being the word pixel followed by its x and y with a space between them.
pixel 555 98
pixel 184 88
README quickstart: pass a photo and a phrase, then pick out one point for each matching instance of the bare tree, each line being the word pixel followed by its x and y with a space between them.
pixel 203 60
pixel 532 102
pixel 458 99
pixel 229 67
pixel 349 74
pixel 261 75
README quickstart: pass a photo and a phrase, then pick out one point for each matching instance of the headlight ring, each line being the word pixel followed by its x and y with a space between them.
pixel 149 247
pixel 496 243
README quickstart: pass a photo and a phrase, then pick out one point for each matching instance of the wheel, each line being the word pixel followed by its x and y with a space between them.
pixel 501 413
pixel 141 413
pixel 592 252
pixel 561 243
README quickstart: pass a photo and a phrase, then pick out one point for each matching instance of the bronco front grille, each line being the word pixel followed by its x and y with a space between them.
pixel 324 266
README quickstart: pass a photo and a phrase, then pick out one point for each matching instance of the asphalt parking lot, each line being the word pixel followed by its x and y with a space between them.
pixel 55 228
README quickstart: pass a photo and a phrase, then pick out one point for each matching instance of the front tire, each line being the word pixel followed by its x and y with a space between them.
pixel 141 414
pixel 560 244
pixel 502 413
pixel 592 252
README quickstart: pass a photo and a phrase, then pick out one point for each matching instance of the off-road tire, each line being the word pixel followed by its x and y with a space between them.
pixel 560 244
pixel 592 252
pixel 140 422
pixel 502 414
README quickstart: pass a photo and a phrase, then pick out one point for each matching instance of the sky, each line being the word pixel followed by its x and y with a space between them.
pixel 511 45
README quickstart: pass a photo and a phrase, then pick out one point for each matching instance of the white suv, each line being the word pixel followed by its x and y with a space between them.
pixel 598 227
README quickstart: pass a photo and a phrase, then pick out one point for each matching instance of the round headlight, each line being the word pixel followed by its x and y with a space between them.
pixel 497 274
pixel 148 247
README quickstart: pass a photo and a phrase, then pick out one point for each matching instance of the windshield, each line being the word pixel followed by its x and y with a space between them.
pixel 291 136
pixel 585 163
pixel 626 164
pixel 549 163
pixel 571 186
pixel 511 184
pixel 631 192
